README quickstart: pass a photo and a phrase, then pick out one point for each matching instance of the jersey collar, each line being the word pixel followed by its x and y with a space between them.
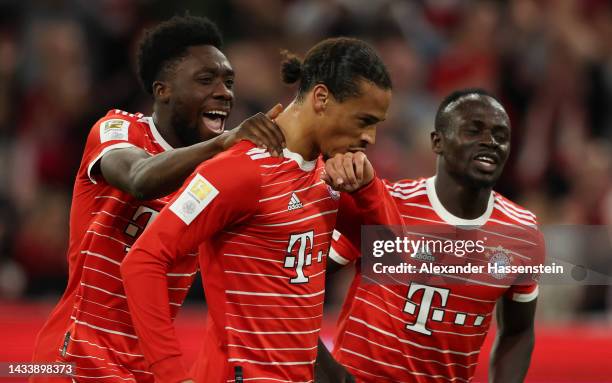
pixel 157 136
pixel 447 216
pixel 306 166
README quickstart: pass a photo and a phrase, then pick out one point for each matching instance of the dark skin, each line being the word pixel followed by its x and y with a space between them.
pixel 198 83
pixel 474 128
pixel 473 147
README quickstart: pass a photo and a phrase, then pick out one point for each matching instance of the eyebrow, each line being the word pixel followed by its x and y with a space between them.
pixel 480 122
pixel 370 119
pixel 214 70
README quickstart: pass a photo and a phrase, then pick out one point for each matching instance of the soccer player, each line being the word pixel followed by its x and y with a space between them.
pixel 128 169
pixel 411 331
pixel 263 229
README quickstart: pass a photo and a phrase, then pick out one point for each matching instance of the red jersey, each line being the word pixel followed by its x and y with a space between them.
pixel 263 228
pixel 91 325
pixel 414 332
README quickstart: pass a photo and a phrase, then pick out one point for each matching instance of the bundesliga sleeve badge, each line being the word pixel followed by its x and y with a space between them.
pixel 196 196
pixel 114 130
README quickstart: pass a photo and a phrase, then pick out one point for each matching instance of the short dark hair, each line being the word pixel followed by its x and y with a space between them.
pixel 441 121
pixel 162 46
pixel 338 63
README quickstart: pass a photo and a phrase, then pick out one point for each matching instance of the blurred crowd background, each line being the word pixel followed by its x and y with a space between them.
pixel 64 63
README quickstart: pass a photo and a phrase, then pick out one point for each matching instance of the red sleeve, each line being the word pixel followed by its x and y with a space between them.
pixel 525 288
pixel 211 198
pixel 110 132
pixel 342 251
pixel 370 205
pixel 376 206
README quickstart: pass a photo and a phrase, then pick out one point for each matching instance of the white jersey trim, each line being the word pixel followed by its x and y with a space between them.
pixel 447 216
pixel 107 149
pixel 336 257
pixel 524 298
pixel 156 135
pixel 306 166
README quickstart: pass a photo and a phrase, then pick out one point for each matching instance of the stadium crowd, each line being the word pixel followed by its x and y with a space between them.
pixel 64 63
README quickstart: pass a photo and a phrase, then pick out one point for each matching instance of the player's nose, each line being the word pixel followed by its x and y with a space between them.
pixel 222 91
pixel 369 136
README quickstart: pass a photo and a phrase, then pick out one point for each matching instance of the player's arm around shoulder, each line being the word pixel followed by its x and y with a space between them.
pixel 146 176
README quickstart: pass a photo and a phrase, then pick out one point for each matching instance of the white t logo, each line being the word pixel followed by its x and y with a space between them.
pixel 303 258
pixel 425 306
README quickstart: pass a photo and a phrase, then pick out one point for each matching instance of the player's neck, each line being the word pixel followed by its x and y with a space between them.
pixel 461 200
pixel 297 131
pixel 163 125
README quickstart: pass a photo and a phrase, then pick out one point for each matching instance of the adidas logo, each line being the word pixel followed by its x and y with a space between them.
pixel 294 203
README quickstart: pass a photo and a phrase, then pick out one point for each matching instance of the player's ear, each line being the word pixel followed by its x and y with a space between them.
pixel 436 141
pixel 320 98
pixel 161 91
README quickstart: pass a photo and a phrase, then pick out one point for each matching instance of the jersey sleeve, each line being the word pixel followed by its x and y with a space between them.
pixel 342 251
pixel 209 200
pixel 525 289
pixel 109 133
pixel 376 206
pixel 370 205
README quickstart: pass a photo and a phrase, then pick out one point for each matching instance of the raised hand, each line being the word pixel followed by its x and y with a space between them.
pixel 261 130
pixel 348 172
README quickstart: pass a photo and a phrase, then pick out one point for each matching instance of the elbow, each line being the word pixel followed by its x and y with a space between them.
pixel 140 185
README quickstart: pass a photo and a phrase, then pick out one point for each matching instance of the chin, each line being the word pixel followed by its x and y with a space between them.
pixel 482 181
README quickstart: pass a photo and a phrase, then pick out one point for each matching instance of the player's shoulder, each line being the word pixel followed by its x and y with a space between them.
pixel 121 116
pixel 117 124
pixel 233 162
pixel 242 151
pixel 406 187
pixel 512 212
pixel 262 159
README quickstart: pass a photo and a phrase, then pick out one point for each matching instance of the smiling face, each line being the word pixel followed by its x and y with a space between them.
pixel 199 93
pixel 350 125
pixel 475 143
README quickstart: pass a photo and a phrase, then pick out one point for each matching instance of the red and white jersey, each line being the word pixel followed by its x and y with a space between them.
pixel 415 332
pixel 263 227
pixel 91 326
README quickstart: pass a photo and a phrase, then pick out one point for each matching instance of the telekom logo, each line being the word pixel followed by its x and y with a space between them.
pixel 304 255
pixel 424 308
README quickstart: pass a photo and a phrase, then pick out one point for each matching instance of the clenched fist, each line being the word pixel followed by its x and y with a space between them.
pixel 348 172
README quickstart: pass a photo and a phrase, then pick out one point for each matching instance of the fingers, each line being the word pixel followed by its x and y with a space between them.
pixel 359 160
pixel 274 138
pixel 348 172
pixel 269 133
pixel 335 172
pixel 279 137
pixel 275 111
pixel 264 133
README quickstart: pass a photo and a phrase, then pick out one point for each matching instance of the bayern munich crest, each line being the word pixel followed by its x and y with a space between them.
pixel 500 257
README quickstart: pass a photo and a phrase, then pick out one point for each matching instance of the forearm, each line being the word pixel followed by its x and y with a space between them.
pixel 510 357
pixel 160 175
pixel 145 283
